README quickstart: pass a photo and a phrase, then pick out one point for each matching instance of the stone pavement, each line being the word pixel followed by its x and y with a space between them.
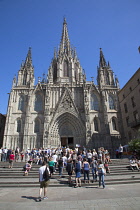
pixel 113 197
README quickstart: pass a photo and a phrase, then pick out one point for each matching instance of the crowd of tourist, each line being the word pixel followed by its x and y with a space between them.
pixel 77 161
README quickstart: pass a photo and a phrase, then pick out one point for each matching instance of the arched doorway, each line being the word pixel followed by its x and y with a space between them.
pixel 68 130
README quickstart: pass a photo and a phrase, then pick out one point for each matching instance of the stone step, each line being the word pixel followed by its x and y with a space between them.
pixel 65 184
pixel 120 174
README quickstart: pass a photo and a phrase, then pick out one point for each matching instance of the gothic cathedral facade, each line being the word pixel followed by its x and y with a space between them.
pixel 63 109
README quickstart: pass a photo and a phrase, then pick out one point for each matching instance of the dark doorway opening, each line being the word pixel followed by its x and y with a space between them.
pixel 67 142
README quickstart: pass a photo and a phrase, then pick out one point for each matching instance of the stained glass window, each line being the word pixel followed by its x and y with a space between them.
pixel 38 103
pixel 37 126
pixel 21 103
pixel 94 102
pixel 111 103
pixel 19 125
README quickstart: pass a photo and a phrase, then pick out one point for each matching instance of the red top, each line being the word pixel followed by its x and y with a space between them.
pixel 12 157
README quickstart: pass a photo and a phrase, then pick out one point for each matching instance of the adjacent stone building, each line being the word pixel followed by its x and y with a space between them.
pixel 129 99
pixel 63 108
pixel 2 126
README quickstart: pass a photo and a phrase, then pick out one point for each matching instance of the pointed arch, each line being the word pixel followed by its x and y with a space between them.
pixel 37 126
pixel 21 103
pixel 94 103
pixel 38 103
pixel 111 102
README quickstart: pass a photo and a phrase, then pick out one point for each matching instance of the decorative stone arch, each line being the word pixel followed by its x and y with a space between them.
pixel 67 125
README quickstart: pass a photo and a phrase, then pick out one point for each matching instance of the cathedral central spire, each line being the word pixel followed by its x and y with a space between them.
pixel 65 43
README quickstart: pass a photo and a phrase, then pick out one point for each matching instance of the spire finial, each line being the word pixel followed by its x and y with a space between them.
pixel 64 22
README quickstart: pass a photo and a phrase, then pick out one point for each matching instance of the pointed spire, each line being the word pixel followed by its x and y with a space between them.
pixel 55 53
pixel 102 61
pixel 65 43
pixel 28 61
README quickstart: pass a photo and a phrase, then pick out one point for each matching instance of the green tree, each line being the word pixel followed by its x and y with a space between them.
pixel 134 144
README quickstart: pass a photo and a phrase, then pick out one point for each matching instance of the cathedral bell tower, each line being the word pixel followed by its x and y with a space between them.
pixel 105 74
pixel 26 72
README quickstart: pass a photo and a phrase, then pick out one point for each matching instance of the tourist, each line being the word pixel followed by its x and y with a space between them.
pixel 120 151
pixel 11 159
pixel 16 154
pixel 60 166
pixel 86 168
pixel 107 167
pixel 78 173
pixel 44 182
pixel 94 169
pixel 101 173
pixel 54 158
pixel 89 156
pixel 74 158
pixel 51 166
pixel 64 158
pixel 27 168
pixel 4 154
pixel 133 164
pixel 22 155
pixel 69 169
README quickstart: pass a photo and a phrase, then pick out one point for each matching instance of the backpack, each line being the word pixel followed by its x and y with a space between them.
pixel 46 175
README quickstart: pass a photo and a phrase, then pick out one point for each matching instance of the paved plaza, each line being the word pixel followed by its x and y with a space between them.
pixel 113 197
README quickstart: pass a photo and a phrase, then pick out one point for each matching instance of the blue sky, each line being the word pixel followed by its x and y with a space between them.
pixel 112 25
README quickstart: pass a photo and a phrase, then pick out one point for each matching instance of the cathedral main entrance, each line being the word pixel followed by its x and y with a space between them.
pixel 67 142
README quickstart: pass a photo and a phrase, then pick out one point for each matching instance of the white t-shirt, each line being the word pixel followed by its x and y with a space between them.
pixel 89 155
pixel 64 158
pixel 41 171
pixel 120 149
pixel 54 158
